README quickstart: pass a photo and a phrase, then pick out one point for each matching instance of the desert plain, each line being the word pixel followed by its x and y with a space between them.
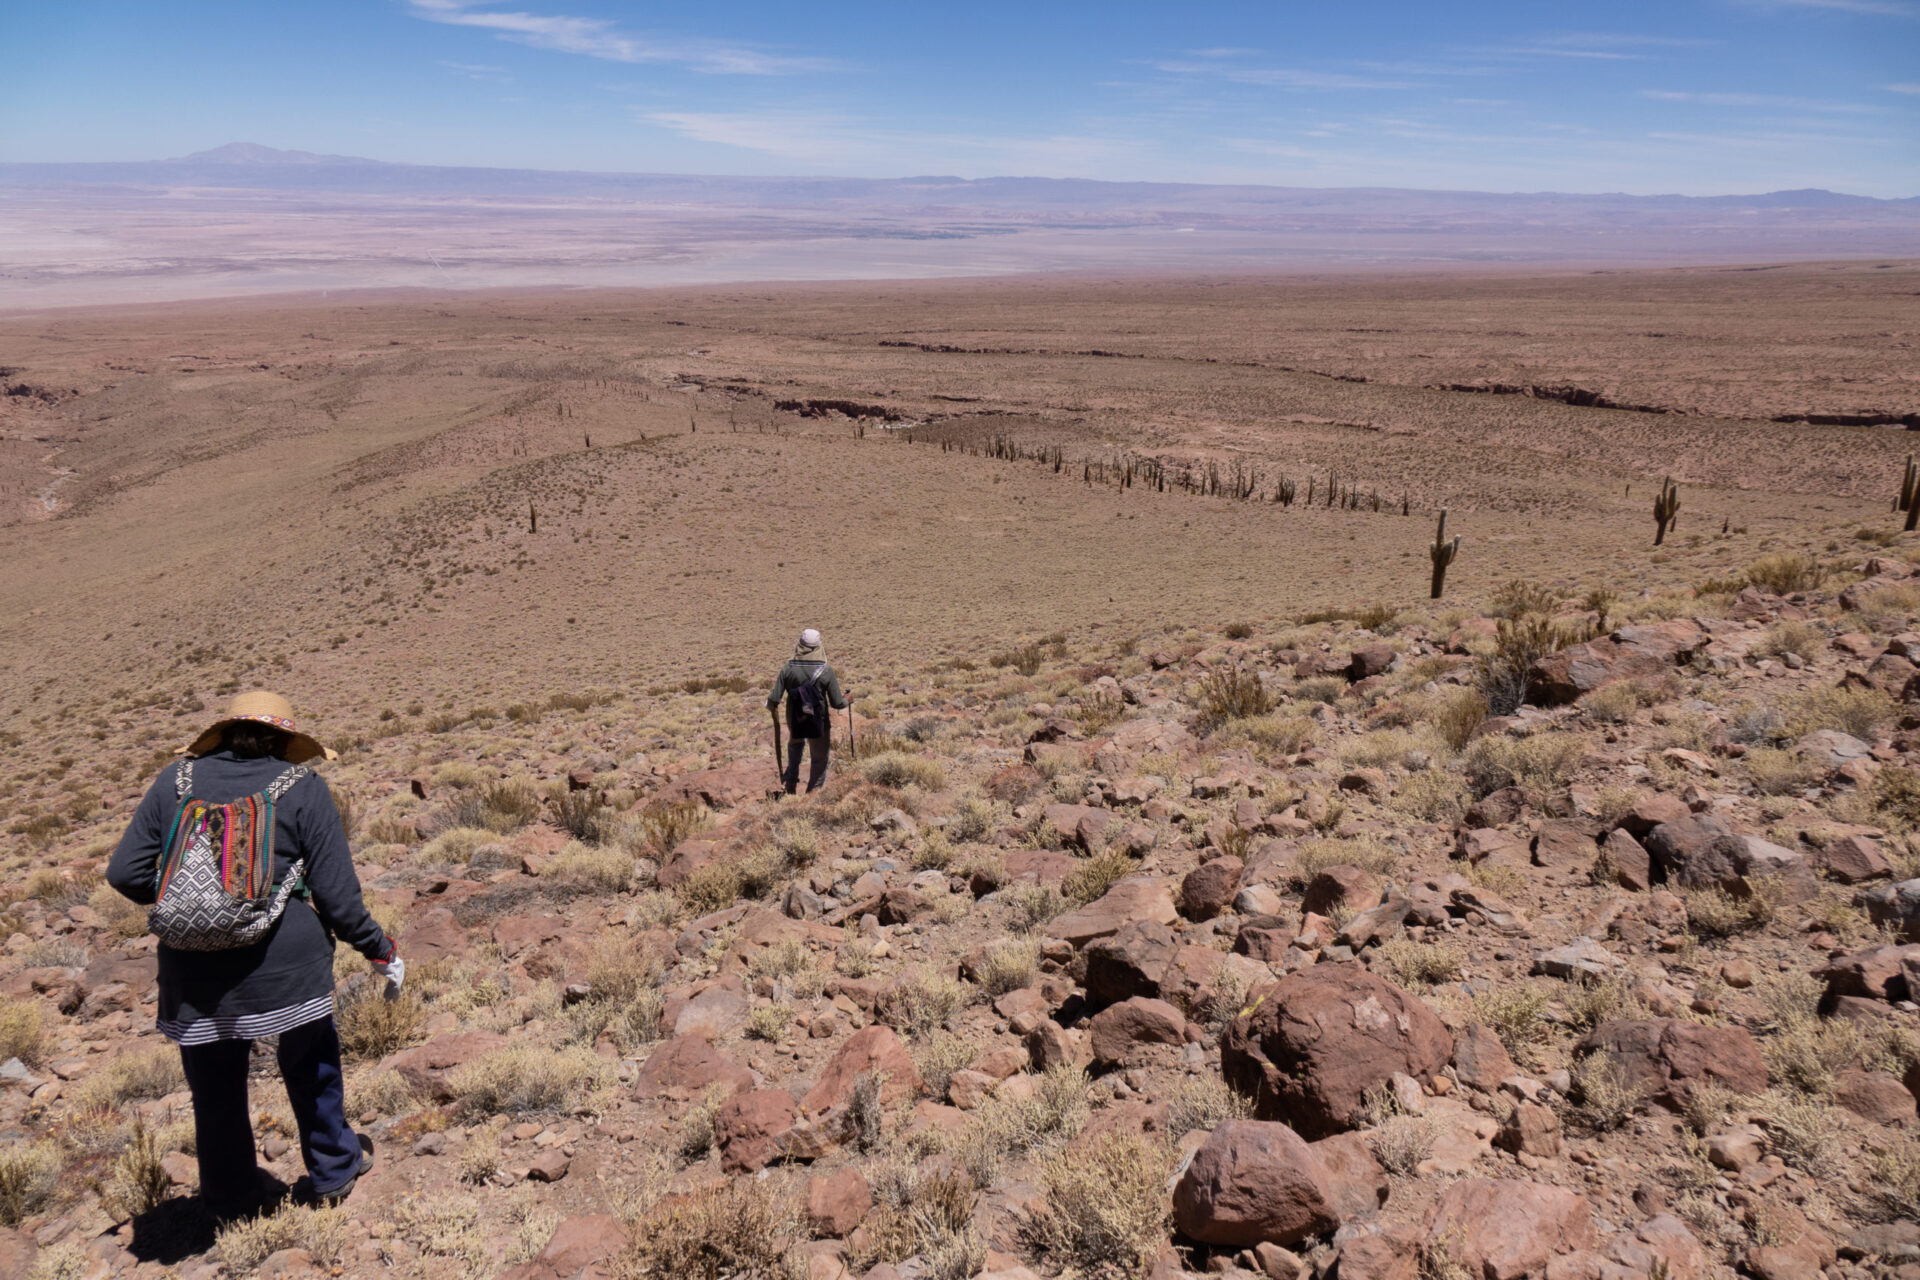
pixel 1159 736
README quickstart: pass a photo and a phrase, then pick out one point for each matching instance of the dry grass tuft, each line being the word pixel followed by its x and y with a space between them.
pixel 1105 1211
pixel 250 1242
pixel 29 1172
pixel 1362 851
pixel 1009 965
pixel 741 1227
pixel 372 1026
pixel 1541 762
pixel 1202 1102
pixel 1419 965
pixel 23 1032
pixel 1092 877
pixel 131 1077
pixel 523 1078
pixel 1606 1097
pixel 1514 1014
pixel 898 769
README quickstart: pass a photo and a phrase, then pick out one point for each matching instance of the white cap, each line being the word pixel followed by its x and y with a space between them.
pixel 810 638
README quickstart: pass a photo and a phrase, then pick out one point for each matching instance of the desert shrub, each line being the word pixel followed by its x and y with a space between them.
pixel 1540 762
pixel 579 814
pixel 1098 709
pixel 1009 965
pixel 1092 877
pixel 1431 795
pixel 1233 693
pixel 924 1214
pixel 1501 675
pixel 1802 639
pixel 1007 1128
pixel 605 868
pixel 1031 905
pixel 23 1032
pixel 1896 1178
pixel 762 869
pixel 1806 1132
pixel 1364 852
pixel 383 1093
pixel 1517 598
pixel 1387 747
pixel 480 1156
pixel 739 1227
pixel 1604 1093
pixel 1715 913
pixel 935 852
pixel 1202 1102
pixel 1324 689
pixel 623 996
pixel 1895 797
pixel 1026 659
pixel 1377 618
pixel 899 769
pixel 665 823
pixel 975 818
pixel 1284 735
pixel 1514 1014
pixel 522 1077
pixel 1785 572
pixel 1780 773
pixel 372 1026
pixel 29 1172
pixel 1454 714
pixel 1502 879
pixel 455 847
pixel 943 1054
pixel 1860 712
pixel 1612 703
pixel 919 1000
pixel 249 1242
pixel 1592 1001
pixel 854 959
pixel 137 1182
pixel 1804 1049
pixel 798 841
pixel 1104 1209
pixel 132 1077
pixel 1419 965
pixel 769 1022
pixel 697 1125
pixel 122 918
pixel 1402 1143
pixel 712 887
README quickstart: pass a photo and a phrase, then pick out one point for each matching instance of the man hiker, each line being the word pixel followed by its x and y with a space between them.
pixel 812 693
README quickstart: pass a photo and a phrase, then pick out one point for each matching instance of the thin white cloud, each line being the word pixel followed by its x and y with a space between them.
pixel 599 38
pixel 1901 88
pixel 476 70
pixel 1764 100
pixel 852 144
pixel 1283 77
pixel 1871 8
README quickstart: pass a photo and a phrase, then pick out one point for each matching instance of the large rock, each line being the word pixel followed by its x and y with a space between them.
pixel 1079 824
pixel 1358 1181
pixel 1680 850
pixel 1315 1043
pixel 1564 844
pixel 1855 859
pixel 837 1202
pixel 686 1067
pixel 1630 652
pixel 726 787
pixel 1506 1229
pixel 579 1247
pixel 751 1128
pixel 1897 907
pixel 1254 1182
pixel 1667 1058
pixel 1480 1060
pixel 1632 866
pixel 872 1049
pixel 1877 973
pixel 1208 888
pixel 1120 1029
pixel 1130 963
pixel 1341 888
pixel 1650 811
pixel 1134 899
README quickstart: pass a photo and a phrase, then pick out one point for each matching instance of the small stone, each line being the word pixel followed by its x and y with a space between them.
pixel 550 1165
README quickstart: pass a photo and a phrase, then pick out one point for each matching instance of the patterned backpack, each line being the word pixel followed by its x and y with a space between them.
pixel 215 882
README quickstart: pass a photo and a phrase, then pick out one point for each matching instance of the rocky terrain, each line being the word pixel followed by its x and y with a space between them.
pixel 1562 937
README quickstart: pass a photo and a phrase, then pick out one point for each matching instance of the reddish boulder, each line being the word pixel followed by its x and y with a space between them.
pixel 727 787
pixel 837 1202
pixel 1133 899
pixel 1315 1043
pixel 1875 1096
pixel 872 1049
pixel 1343 888
pixel 1208 888
pixel 1854 859
pixel 1564 844
pixel 1357 1180
pixel 1651 811
pixel 685 1067
pixel 1130 963
pixel 1506 1229
pixel 1254 1182
pixel 751 1127
pixel 1119 1029
pixel 1628 858
pixel 426 1068
pixel 577 1244
pixel 1668 1058
pixel 1878 973
pixel 1480 1060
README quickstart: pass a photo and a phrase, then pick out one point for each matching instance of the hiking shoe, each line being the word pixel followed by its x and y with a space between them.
pixel 345 1189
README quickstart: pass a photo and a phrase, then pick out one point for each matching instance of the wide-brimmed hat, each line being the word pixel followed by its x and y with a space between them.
pixel 263 708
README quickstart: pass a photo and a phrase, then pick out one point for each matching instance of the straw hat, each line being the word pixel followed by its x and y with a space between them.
pixel 268 709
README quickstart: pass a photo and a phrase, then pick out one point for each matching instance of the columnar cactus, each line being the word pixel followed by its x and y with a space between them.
pixel 1910 494
pixel 1442 553
pixel 1665 508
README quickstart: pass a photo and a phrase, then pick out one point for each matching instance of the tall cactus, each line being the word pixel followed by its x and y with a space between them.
pixel 1910 494
pixel 533 518
pixel 1665 508
pixel 1442 553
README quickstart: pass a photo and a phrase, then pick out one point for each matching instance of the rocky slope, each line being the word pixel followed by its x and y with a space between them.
pixel 1268 950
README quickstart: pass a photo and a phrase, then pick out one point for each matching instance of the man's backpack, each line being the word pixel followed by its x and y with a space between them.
pixel 215 881
pixel 809 702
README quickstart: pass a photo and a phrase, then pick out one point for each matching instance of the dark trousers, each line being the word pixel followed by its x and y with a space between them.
pixel 816 749
pixel 223 1131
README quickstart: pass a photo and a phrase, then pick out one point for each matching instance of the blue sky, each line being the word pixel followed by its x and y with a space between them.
pixel 1690 96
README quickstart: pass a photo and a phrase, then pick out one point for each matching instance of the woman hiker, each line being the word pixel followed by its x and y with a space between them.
pixel 242 849
pixel 811 690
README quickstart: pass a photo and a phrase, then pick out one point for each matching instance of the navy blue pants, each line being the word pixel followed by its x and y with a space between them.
pixel 816 750
pixel 223 1130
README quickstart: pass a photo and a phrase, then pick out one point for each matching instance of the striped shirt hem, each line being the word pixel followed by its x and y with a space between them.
pixel 247 1026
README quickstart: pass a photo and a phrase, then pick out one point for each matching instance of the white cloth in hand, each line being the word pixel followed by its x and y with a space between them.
pixel 395 972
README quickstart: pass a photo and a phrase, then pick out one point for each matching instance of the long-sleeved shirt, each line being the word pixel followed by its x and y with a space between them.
pixel 800 671
pixel 292 967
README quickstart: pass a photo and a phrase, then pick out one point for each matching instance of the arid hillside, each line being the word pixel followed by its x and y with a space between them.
pixel 1204 898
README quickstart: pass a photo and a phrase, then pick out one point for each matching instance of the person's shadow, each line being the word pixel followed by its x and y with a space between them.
pixel 181 1228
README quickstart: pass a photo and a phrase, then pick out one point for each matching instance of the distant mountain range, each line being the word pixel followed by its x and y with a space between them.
pixel 250 165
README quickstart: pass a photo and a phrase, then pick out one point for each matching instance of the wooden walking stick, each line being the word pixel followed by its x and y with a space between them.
pixel 853 748
pixel 779 765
